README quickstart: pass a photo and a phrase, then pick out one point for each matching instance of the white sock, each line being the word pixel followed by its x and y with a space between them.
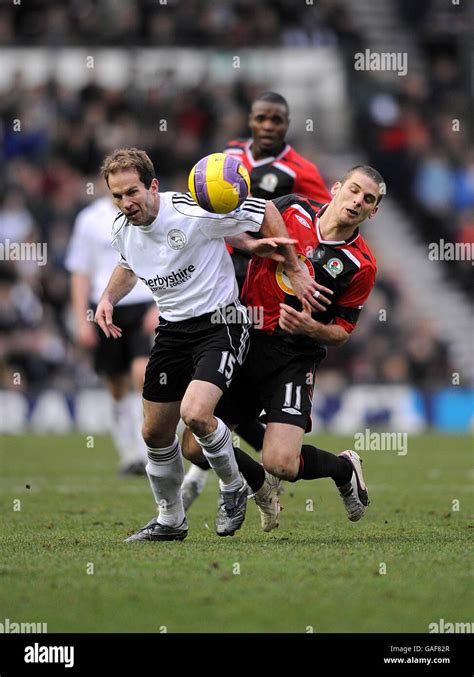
pixel 140 449
pixel 217 448
pixel 122 425
pixel 165 471
pixel 197 475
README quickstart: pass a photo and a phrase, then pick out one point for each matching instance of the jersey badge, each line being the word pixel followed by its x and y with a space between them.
pixel 334 267
pixel 269 182
pixel 176 239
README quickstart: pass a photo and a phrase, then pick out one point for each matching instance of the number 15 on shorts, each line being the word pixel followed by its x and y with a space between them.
pixel 226 366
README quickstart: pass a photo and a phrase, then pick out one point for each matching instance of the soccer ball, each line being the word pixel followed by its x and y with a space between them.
pixel 219 183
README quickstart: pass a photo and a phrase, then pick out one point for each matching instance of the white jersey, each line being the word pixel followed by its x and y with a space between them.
pixel 90 251
pixel 182 256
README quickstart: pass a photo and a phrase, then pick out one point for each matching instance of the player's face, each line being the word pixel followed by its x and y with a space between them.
pixel 268 123
pixel 139 204
pixel 354 200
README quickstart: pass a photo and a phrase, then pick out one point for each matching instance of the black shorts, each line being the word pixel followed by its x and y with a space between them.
pixel 210 348
pixel 274 378
pixel 114 357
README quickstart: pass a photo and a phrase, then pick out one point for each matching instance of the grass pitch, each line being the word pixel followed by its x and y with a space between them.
pixel 64 515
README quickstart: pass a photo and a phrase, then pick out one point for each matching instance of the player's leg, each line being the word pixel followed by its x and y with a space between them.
pixel 118 386
pixel 167 376
pixel 215 439
pixel 138 368
pixel 111 362
pixel 286 457
pixel 165 472
pixel 196 477
pixel 218 357
pixel 137 346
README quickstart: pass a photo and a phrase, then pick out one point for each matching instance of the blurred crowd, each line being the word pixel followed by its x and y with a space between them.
pixel 418 130
pixel 50 166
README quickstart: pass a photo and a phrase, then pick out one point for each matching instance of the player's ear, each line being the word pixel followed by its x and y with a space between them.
pixel 373 212
pixel 154 185
pixel 336 187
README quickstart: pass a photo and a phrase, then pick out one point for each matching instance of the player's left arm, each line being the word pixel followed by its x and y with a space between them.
pixel 301 322
pixel 348 308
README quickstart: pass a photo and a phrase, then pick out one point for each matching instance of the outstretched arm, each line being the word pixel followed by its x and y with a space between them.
pixel 121 283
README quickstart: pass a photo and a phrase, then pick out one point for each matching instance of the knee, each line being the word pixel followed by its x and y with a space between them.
pixel 282 465
pixel 156 438
pixel 196 417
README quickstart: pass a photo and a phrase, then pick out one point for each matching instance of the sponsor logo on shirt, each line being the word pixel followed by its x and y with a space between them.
pixel 174 279
pixel 282 278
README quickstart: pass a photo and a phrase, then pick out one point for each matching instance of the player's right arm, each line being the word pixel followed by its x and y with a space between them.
pixel 121 283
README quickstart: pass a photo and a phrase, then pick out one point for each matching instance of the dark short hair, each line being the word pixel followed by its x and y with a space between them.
pixel 273 97
pixel 372 174
pixel 129 158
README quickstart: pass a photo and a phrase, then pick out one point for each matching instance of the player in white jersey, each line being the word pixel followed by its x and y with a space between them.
pixel 178 250
pixel 91 260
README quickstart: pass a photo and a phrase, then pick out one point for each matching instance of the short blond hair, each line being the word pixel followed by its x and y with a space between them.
pixel 129 158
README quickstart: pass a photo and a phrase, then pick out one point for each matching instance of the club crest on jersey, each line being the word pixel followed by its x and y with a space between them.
pixel 282 278
pixel 334 267
pixel 176 239
pixel 269 182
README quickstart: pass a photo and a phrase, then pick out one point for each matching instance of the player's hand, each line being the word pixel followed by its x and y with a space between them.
pixel 150 320
pixel 86 335
pixel 103 317
pixel 307 289
pixel 294 321
pixel 271 247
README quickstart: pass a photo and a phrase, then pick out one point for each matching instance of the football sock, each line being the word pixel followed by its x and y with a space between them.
pixel 253 472
pixel 252 432
pixel 122 426
pixel 136 414
pixel 196 473
pixel 166 472
pixel 315 463
pixel 217 448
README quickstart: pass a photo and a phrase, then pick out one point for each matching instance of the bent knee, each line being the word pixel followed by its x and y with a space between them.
pixel 281 465
pixel 195 417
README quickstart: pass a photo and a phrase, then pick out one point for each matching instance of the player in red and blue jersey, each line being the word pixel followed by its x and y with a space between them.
pixel 288 346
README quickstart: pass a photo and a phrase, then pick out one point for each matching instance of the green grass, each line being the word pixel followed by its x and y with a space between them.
pixel 317 570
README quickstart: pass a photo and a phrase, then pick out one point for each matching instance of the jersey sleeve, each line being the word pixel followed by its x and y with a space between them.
pixel 311 183
pixel 78 258
pixel 350 303
pixel 247 218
